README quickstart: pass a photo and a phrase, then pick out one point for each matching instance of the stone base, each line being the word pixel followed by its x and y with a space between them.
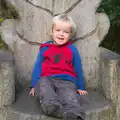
pixel 27 108
pixel 7 79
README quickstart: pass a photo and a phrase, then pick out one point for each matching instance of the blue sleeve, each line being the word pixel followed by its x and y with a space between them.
pixel 78 70
pixel 36 70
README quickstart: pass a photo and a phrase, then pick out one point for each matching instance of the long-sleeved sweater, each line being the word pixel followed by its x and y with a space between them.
pixel 61 62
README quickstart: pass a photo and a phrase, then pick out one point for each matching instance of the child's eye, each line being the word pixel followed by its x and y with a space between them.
pixel 57 30
pixel 66 32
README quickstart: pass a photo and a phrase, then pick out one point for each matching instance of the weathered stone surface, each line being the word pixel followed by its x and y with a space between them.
pixel 110 74
pixel 24 60
pixel 61 6
pixel 8 33
pixel 104 25
pixel 11 1
pixel 3 113
pixel 34 27
pixel 27 108
pixel 110 77
pixel 43 3
pixel 7 79
pixel 118 102
pixel 84 16
pixel 90 60
pixel 35 23
pixel 90 52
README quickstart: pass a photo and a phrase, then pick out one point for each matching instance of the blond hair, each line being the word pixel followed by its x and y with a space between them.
pixel 67 18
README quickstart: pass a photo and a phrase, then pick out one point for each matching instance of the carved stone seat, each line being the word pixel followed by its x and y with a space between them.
pixel 23 37
pixel 100 105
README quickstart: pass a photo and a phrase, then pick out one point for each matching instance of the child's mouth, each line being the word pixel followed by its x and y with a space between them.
pixel 60 38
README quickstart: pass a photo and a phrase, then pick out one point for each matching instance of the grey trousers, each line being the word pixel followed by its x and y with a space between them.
pixel 61 92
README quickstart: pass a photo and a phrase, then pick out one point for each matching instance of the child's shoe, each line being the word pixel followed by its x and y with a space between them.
pixel 69 116
pixel 49 108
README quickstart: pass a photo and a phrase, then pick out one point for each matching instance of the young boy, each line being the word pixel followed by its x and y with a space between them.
pixel 57 77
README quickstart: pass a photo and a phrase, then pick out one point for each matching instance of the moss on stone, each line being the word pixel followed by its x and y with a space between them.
pixel 7 11
pixel 3 46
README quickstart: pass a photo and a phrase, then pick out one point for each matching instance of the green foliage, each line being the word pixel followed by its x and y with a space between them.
pixel 112 39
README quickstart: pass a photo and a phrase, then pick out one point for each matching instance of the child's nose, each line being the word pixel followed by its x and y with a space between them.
pixel 61 32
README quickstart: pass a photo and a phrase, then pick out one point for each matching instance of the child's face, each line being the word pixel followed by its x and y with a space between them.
pixel 61 32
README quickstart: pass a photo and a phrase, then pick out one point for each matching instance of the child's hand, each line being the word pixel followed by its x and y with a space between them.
pixel 32 92
pixel 82 92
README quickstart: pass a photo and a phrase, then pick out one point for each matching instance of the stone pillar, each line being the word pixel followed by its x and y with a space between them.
pixel 7 79
pixel 110 78
pixel 110 73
